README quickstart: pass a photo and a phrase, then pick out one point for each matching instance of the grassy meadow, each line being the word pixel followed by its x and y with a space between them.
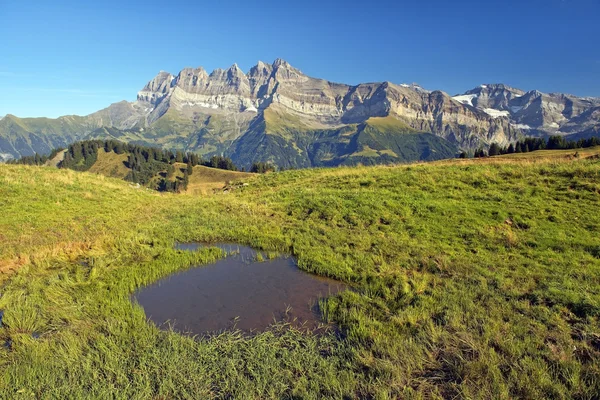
pixel 470 279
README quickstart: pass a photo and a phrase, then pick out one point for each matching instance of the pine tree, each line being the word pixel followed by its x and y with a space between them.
pixel 518 148
pixel 119 148
pixel 494 150
pixel 186 180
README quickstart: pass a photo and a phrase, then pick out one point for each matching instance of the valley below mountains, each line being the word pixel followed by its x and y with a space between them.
pixel 275 113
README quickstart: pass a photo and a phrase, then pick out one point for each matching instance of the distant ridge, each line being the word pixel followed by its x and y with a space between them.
pixel 275 113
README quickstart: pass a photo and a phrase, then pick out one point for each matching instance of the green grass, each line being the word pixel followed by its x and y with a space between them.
pixel 389 124
pixel 474 280
pixel 110 164
pixel 369 152
pixel 571 153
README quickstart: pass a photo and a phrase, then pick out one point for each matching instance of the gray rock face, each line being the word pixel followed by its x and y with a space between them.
pixel 584 125
pixel 321 104
pixel 156 90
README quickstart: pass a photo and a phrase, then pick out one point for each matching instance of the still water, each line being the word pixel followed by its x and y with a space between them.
pixel 237 291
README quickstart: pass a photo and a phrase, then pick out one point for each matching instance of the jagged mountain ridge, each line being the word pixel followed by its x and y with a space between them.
pixel 276 113
pixel 534 112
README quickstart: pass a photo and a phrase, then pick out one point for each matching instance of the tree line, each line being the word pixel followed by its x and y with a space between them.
pixel 144 163
pixel 533 144
pixel 36 159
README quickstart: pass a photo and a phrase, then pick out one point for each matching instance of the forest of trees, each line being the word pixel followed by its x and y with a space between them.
pixel 150 164
pixel 221 163
pixel 145 163
pixel 36 159
pixel 262 167
pixel 533 144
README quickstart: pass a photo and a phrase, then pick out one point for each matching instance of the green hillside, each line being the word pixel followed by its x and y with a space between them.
pixel 274 136
pixel 287 142
pixel 150 167
pixel 27 136
pixel 471 279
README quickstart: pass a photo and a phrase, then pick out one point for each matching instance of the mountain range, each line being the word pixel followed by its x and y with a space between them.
pixel 275 113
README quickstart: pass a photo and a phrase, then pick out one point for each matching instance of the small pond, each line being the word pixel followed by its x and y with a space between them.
pixel 237 291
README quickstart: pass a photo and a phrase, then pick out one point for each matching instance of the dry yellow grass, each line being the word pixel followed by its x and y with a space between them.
pixel 203 181
pixel 110 164
pixel 569 154
pixel 529 158
pixel 57 159
pixel 206 180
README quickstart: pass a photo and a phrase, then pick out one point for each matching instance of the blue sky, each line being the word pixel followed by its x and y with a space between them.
pixel 75 57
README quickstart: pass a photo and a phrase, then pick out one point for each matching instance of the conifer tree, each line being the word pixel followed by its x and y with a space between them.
pixel 494 150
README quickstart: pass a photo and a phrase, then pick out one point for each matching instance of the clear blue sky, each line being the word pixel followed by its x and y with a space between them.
pixel 75 57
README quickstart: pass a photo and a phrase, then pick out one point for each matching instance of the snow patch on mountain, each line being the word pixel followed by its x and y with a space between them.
pixel 465 98
pixel 200 104
pixel 496 113
pixel 521 126
pixel 414 86
pixel 5 156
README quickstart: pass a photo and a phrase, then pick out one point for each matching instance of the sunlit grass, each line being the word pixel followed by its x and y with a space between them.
pixel 470 280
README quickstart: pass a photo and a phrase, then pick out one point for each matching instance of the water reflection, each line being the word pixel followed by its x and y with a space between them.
pixel 246 290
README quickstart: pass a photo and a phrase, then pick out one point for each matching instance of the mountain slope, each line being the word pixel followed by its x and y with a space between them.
pixel 534 112
pixel 149 167
pixel 277 113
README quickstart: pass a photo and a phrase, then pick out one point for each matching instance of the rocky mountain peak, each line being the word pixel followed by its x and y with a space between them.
pixel 495 89
pixel 258 78
pixel 533 112
pixel 535 93
pixel 217 72
pixel 283 71
pixel 157 88
pixel 159 82
pixel 235 72
pixel 261 65
pixel 280 62
pixel 192 79
pixel 415 86
pixel 260 69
